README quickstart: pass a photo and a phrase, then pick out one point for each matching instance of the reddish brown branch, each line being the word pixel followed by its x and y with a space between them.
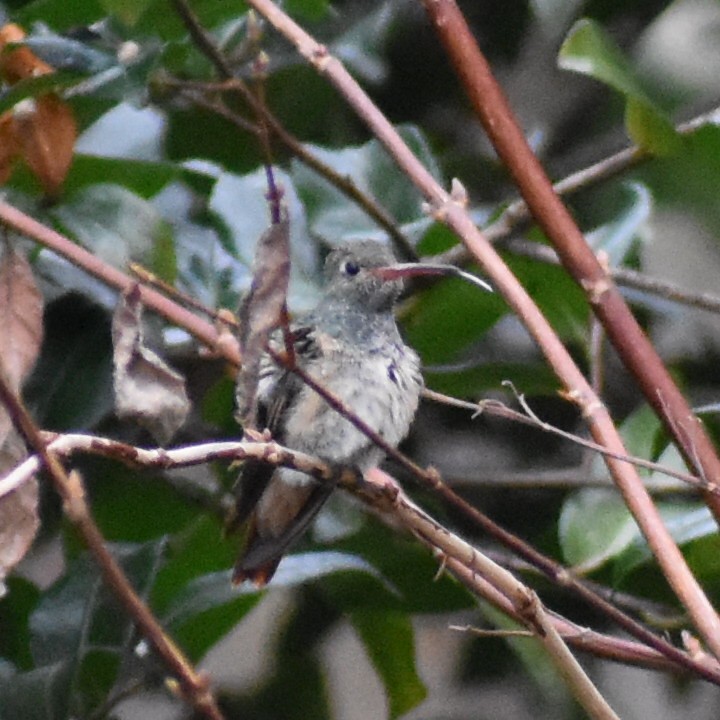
pixel 25 225
pixel 625 333
pixel 195 686
pixel 450 209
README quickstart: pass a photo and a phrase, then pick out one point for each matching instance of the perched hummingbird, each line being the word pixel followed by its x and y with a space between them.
pixel 351 345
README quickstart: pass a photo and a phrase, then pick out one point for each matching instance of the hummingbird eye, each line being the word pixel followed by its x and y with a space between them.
pixel 351 268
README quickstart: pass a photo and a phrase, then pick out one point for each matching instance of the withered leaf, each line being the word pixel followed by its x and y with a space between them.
pixel 146 388
pixel 21 314
pixel 9 146
pixel 261 312
pixel 46 130
pixel 41 129
pixel 21 330
pixel 19 519
pixel 20 63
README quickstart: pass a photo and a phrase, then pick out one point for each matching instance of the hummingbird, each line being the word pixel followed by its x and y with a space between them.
pixel 351 345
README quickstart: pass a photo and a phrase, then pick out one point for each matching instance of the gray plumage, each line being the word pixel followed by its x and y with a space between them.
pixel 351 345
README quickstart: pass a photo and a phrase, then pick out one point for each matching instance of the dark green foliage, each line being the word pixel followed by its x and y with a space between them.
pixel 173 186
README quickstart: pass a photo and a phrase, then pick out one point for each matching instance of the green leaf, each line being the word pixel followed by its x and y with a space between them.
pixel 78 612
pixel 40 694
pixel 127 11
pixel 369 168
pixel 166 23
pixel 449 316
pixel 77 335
pixel 77 618
pixel 557 295
pixel 209 605
pixel 60 14
pixel 140 176
pixel 465 380
pixel 589 51
pixel 34 86
pixel 310 9
pixel 594 527
pixel 388 639
pixel 690 181
pixel 240 202
pixel 686 522
pixel 66 54
pixel 16 605
pixel 404 576
pixel 114 223
pixel 362 47
pixel 618 237
pixel 215 588
pixel 122 496
pixel 650 129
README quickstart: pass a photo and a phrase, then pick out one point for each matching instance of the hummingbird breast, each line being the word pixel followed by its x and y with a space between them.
pixel 378 382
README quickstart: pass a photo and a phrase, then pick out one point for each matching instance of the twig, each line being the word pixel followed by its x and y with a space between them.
pixel 517 212
pixel 631 343
pixel 343 183
pixel 450 210
pixel 66 446
pixel 526 605
pixel 195 686
pixel 621 275
pixel 78 256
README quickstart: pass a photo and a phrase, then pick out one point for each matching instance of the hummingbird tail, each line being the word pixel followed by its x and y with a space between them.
pixel 268 538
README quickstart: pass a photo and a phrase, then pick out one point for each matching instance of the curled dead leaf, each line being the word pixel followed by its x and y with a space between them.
pixel 21 331
pixel 41 129
pixel 46 132
pixel 21 316
pixel 20 63
pixel 146 388
pixel 261 312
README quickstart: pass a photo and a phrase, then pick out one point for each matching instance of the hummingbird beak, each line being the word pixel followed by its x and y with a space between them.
pixel 403 270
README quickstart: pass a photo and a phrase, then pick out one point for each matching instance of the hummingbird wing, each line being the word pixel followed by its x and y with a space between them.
pixel 276 513
pixel 277 388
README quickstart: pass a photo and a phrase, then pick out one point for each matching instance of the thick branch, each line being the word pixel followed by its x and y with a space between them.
pixel 195 686
pixel 656 654
pixel 631 343
pixel 451 211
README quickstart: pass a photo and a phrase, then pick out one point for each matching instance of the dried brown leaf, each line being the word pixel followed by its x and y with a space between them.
pixel 19 519
pixel 45 127
pixel 261 312
pixel 41 129
pixel 9 146
pixel 21 312
pixel 22 62
pixel 146 388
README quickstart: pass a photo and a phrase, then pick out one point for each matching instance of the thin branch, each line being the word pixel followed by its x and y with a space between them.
pixel 66 446
pixel 195 686
pixel 343 183
pixel 630 342
pixel 497 408
pixel 78 256
pixel 526 605
pixel 622 276
pixel 450 209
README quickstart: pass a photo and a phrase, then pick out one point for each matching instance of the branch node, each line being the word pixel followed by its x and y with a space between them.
pixel 596 289
pixel 74 501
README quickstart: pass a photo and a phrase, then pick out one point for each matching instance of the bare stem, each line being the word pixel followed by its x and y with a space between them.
pixel 525 603
pixel 632 345
pixel 232 83
pixel 450 209
pixel 195 686
pixel 66 446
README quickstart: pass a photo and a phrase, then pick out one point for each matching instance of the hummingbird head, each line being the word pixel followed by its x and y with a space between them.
pixel 353 272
